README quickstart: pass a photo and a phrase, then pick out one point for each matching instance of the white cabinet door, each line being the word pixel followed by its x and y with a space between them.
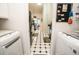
pixel 3 10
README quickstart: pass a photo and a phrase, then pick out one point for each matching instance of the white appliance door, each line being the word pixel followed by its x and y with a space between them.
pixel 62 48
pixel 13 48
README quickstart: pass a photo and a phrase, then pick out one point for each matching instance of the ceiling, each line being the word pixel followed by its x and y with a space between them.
pixel 34 8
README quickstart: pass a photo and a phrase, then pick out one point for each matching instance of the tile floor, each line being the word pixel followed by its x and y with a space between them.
pixel 39 47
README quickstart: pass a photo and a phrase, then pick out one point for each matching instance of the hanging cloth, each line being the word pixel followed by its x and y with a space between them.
pixel 70 21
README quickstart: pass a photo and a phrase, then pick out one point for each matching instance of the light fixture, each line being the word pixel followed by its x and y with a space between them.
pixel 39 3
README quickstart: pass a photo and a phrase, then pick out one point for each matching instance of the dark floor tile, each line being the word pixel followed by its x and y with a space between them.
pixel 46 51
pixel 40 47
pixel 40 44
pixel 49 44
pixel 39 51
pixel 45 47
pixel 34 47
pixel 34 51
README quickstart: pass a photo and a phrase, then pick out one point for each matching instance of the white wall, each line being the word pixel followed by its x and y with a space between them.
pixel 18 21
pixel 57 25
pixel 63 26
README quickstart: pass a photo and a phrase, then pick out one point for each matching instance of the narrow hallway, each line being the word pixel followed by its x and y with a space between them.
pixel 38 46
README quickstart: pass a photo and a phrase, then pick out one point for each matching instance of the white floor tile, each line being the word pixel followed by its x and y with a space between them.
pixel 39 42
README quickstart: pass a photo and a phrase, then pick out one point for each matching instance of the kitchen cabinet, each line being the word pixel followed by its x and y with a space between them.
pixel 61 46
pixel 3 10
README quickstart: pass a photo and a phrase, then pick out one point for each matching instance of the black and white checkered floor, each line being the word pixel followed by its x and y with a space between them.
pixel 39 47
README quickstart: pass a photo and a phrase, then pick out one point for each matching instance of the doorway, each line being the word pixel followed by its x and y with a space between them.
pixel 40 21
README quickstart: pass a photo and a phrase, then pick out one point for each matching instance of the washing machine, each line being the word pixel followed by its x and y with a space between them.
pixel 10 43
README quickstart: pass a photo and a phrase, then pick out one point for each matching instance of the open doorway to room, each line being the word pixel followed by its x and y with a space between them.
pixel 40 21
